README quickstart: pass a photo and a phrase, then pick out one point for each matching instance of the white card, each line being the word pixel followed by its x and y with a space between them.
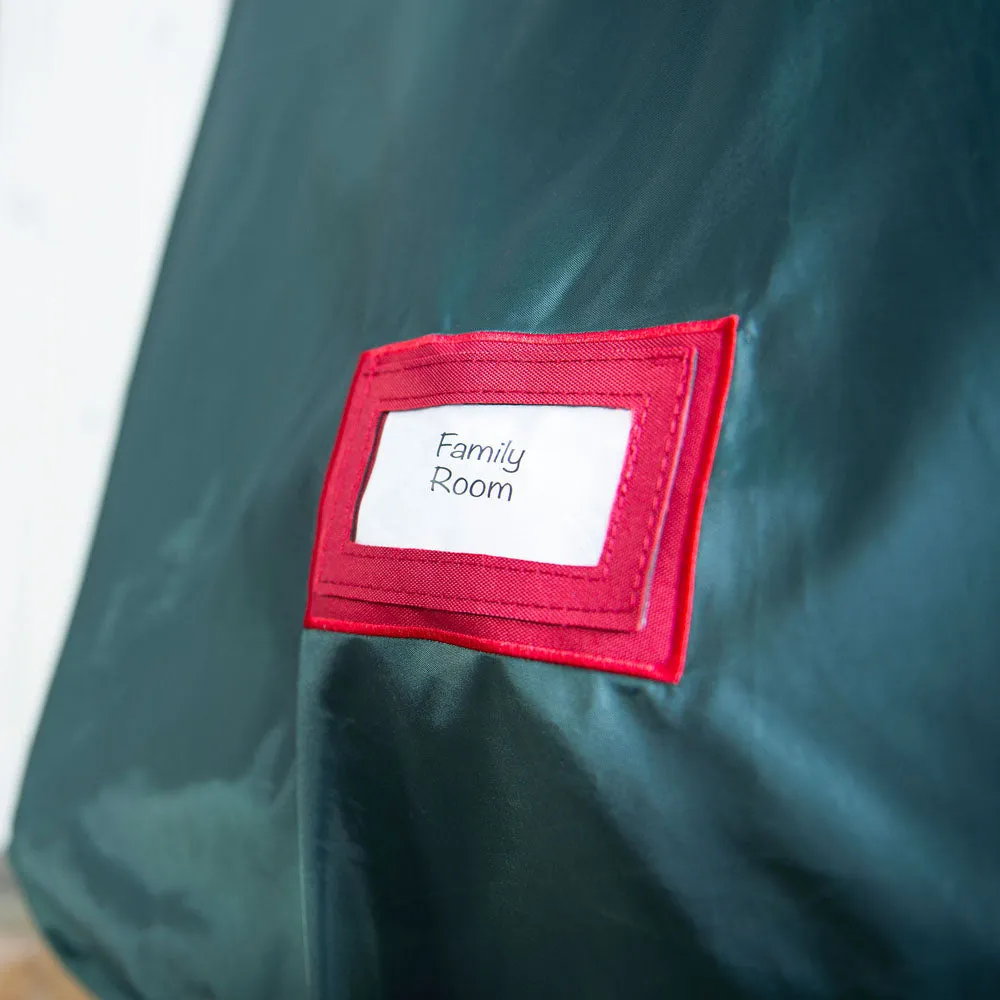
pixel 520 482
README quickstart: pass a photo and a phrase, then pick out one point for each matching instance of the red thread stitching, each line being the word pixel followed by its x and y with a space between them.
pixel 506 602
pixel 519 337
pixel 665 462
pixel 464 359
pixel 545 568
pixel 470 641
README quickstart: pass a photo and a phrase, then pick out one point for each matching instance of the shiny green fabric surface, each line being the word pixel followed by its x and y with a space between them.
pixel 219 805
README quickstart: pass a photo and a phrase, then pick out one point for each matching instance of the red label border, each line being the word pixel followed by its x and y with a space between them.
pixel 631 612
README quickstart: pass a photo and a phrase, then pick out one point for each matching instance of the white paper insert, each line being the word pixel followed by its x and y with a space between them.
pixel 521 482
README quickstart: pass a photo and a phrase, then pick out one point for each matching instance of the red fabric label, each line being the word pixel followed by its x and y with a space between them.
pixel 630 613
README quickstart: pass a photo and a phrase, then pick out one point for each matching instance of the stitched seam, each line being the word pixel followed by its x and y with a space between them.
pixel 639 336
pixel 432 634
pixel 466 358
pixel 665 464
pixel 364 465
pixel 506 602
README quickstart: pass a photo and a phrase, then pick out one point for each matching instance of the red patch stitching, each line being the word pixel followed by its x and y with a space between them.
pixel 631 612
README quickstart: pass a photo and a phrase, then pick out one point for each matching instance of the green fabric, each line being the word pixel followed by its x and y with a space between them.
pixel 220 806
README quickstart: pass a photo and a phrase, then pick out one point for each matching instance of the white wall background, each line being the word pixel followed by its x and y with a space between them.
pixel 99 105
